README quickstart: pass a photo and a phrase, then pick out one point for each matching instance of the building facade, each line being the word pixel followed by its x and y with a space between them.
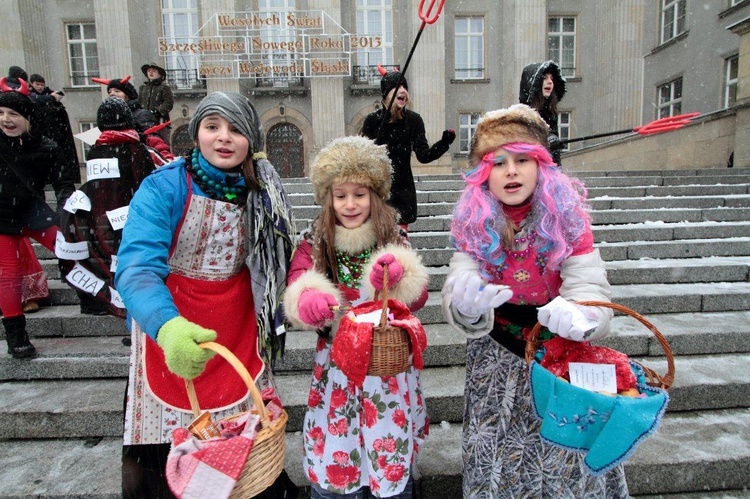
pixel 309 66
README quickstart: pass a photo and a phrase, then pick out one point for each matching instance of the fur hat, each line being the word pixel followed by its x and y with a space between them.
pixel 351 159
pixel 114 114
pixel 389 80
pixel 17 102
pixel 145 68
pixel 518 123
pixel 124 86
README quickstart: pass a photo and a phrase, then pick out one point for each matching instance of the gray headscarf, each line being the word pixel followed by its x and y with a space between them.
pixel 237 110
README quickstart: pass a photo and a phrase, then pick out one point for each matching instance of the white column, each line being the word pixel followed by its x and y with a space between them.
pixel 11 43
pixel 327 94
pixel 208 9
pixel 113 41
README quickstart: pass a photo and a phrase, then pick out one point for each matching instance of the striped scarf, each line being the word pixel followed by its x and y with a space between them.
pixel 270 236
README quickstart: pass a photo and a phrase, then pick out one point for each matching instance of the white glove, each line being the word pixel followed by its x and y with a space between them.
pixel 472 296
pixel 568 320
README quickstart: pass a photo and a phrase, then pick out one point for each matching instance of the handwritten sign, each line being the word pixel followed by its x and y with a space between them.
pixel 115 298
pixel 84 280
pixel 101 168
pixel 593 377
pixel 118 217
pixel 70 251
pixel 77 201
pixel 113 264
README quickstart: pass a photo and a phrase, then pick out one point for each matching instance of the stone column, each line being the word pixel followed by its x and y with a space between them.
pixel 208 8
pixel 12 41
pixel 327 94
pixel 742 105
pixel 426 74
pixel 524 41
pixel 113 41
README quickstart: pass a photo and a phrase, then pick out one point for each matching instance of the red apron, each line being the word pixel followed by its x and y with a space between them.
pixel 210 285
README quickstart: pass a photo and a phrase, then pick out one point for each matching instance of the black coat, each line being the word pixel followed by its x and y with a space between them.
pixel 532 79
pixel 26 163
pixel 51 119
pixel 93 227
pixel 401 138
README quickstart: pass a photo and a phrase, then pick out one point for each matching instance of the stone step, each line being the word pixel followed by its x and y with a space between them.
pixel 635 250
pixel 450 192
pixel 706 451
pixel 106 357
pixel 93 407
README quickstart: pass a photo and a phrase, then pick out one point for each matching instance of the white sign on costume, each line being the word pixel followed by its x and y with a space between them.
pixel 101 168
pixel 84 280
pixel 118 217
pixel 70 251
pixel 77 201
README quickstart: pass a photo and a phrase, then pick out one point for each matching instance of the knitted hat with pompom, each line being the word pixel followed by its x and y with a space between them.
pixel 114 114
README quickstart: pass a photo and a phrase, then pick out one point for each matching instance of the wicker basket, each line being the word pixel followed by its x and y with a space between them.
pixel 391 346
pixel 266 459
pixel 654 379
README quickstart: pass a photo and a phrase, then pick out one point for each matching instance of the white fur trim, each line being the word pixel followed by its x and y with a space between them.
pixel 412 283
pixel 309 280
pixel 356 240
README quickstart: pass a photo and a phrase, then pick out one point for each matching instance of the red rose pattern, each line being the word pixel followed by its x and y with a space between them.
pixel 351 431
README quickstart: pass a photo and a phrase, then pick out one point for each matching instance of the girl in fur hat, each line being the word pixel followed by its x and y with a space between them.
pixel 524 254
pixel 203 257
pixel 351 429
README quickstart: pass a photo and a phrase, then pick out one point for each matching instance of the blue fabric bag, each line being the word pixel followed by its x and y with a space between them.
pixel 607 429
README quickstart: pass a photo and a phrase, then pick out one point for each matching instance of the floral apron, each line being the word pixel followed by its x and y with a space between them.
pixel 210 285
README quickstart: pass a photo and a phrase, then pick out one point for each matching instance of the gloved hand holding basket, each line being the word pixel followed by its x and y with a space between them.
pixel 362 349
pixel 236 466
pixel 606 427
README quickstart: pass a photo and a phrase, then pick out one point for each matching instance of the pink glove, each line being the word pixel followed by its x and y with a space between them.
pixel 395 271
pixel 315 307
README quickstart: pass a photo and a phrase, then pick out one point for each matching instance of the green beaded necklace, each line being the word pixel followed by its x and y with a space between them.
pixel 215 190
pixel 350 267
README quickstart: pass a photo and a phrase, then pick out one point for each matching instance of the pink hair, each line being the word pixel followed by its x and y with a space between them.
pixel 559 212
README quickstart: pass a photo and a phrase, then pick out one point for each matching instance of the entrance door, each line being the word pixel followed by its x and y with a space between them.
pixel 285 150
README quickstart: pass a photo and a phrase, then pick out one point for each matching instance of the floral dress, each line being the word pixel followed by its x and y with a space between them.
pixel 360 436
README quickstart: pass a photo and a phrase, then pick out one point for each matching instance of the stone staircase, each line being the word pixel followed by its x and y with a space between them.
pixel 677 246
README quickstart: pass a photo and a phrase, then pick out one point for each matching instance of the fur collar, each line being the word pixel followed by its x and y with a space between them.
pixel 355 241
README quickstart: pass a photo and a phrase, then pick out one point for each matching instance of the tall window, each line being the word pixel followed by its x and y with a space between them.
pixel 82 53
pixel 730 80
pixel 179 19
pixel 375 30
pixel 670 98
pixel 673 14
pixel 561 43
pixel 467 126
pixel 469 48
pixel 563 127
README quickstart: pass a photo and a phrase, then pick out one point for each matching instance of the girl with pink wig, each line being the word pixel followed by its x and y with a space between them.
pixel 524 254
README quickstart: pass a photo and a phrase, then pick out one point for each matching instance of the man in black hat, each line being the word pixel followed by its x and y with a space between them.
pixel 156 96
pixel 402 132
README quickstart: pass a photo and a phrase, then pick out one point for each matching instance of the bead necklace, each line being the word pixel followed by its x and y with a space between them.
pixel 350 267
pixel 215 189
pixel 518 240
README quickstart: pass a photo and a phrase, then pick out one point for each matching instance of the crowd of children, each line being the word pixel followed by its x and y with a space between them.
pixel 208 253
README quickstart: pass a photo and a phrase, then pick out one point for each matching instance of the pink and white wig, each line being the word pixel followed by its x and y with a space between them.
pixel 558 213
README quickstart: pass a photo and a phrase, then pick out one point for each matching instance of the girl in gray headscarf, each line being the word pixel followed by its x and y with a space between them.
pixel 204 257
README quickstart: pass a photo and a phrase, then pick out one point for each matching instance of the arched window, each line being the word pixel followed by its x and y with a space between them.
pixel 182 143
pixel 285 150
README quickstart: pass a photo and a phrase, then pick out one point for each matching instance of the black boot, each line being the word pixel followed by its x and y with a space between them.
pixel 19 345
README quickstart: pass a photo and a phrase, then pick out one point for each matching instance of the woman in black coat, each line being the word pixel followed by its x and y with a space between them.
pixel 402 133
pixel 542 87
pixel 27 160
